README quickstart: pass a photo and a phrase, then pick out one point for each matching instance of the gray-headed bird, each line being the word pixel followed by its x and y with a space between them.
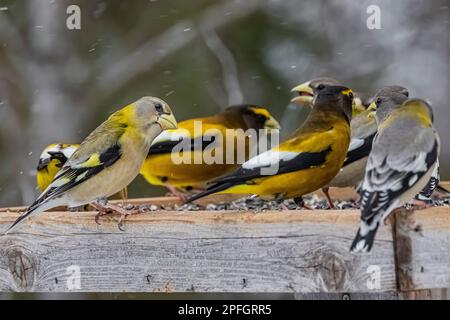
pixel 107 160
pixel 363 130
pixel 404 154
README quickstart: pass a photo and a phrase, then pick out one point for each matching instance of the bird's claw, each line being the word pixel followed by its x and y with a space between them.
pixel 123 217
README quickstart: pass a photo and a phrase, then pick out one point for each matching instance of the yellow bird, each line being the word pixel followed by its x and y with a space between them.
pixel 363 130
pixel 306 161
pixel 52 159
pixel 160 169
pixel 107 160
pixel 404 155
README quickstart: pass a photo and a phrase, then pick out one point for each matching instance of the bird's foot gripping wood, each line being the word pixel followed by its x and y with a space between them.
pixel 107 208
pixel 301 203
pixel 421 204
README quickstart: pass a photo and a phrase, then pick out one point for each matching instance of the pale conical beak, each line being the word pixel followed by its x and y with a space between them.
pixel 305 94
pixel 272 124
pixel 167 121
pixel 372 109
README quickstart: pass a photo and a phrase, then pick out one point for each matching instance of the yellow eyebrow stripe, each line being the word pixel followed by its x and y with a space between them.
pixel 346 92
pixel 261 111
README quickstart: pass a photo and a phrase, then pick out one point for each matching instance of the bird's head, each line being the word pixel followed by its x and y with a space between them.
pixel 334 98
pixel 150 111
pixel 255 117
pixel 305 92
pixel 386 100
pixel 58 153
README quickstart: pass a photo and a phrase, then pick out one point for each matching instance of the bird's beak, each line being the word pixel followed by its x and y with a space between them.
pixel 305 94
pixel 372 109
pixel 43 163
pixel 167 121
pixel 357 106
pixel 272 124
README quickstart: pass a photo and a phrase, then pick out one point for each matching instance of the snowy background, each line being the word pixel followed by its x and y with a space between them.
pixel 57 85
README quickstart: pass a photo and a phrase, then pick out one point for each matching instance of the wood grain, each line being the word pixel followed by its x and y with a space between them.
pixel 423 248
pixel 298 251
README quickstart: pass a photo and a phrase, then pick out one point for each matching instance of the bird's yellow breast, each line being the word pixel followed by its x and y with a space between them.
pixel 301 182
pixel 161 169
pixel 45 176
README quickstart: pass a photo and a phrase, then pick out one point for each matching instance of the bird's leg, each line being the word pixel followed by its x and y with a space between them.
pixel 123 214
pixel 358 191
pixel 124 195
pixel 279 201
pixel 175 192
pixel 325 190
pixel 100 206
pixel 301 203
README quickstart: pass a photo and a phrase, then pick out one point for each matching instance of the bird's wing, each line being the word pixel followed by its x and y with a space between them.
pixel 297 153
pixel 427 191
pixel 98 151
pixel 398 160
pixel 294 154
pixel 358 149
pixel 72 175
pixel 280 161
pixel 168 139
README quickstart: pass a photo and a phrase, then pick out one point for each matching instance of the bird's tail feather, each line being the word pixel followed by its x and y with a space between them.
pixel 34 209
pixel 363 243
pixel 442 189
pixel 212 189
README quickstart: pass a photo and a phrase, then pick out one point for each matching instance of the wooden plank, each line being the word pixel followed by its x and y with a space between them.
pixel 296 251
pixel 390 295
pixel 335 193
pixel 164 201
pixel 423 249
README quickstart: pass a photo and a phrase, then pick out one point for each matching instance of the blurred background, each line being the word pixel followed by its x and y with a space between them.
pixel 57 85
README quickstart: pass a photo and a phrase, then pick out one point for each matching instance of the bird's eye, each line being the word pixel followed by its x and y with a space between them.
pixel 321 87
pixel 158 107
pixel 378 102
pixel 350 95
pixel 261 118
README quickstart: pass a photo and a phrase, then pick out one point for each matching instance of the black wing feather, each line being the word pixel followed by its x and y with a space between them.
pixel 302 161
pixel 167 146
pixel 107 158
pixel 360 152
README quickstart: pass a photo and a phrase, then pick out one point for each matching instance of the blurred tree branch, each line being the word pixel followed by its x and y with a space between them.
pixel 229 69
pixel 113 75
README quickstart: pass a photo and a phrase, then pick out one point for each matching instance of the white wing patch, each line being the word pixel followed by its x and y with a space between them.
pixel 46 155
pixel 172 135
pixel 68 152
pixel 355 143
pixel 269 158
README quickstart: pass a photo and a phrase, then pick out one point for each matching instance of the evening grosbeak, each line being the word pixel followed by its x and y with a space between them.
pixel 403 157
pixel 107 160
pixel 52 159
pixel 363 129
pixel 304 162
pixel 160 169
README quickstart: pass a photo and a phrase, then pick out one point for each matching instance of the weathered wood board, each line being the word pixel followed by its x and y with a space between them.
pixel 423 248
pixel 296 251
